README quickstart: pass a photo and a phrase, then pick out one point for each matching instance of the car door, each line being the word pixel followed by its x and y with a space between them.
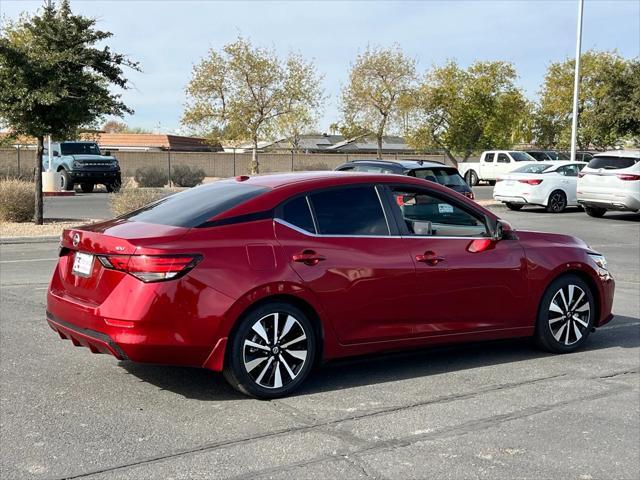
pixel 487 166
pixel 466 281
pixel 569 181
pixel 342 247
pixel 503 165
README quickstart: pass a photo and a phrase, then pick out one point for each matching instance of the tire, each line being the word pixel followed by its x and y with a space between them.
pixel 471 178
pixel 596 212
pixel 560 329
pixel 87 187
pixel 491 182
pixel 113 187
pixel 65 181
pixel 264 368
pixel 557 202
pixel 514 206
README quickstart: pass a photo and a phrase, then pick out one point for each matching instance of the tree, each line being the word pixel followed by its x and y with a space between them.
pixel 294 124
pixel 243 91
pixel 606 107
pixel 461 111
pixel 53 80
pixel 114 126
pixel 378 79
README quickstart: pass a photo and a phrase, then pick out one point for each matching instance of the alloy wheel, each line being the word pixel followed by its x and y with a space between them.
pixel 275 350
pixel 569 314
pixel 557 202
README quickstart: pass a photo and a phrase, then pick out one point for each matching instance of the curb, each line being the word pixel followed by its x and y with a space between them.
pixel 23 240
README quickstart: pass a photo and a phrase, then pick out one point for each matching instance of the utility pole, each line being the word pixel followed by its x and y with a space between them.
pixel 576 83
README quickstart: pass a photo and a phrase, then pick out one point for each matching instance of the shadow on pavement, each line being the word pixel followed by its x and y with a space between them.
pixel 341 374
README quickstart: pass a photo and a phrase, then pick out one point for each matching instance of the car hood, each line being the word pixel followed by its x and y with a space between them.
pixel 551 238
pixel 92 158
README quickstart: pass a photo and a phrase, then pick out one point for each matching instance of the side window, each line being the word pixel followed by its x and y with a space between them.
pixel 349 211
pixel 489 157
pixel 296 212
pixel 370 169
pixel 426 215
pixel 503 158
pixel 569 170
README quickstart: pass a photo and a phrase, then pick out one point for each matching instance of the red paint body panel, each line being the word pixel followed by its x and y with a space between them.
pixel 368 294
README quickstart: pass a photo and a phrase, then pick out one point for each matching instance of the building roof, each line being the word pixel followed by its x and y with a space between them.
pixel 144 141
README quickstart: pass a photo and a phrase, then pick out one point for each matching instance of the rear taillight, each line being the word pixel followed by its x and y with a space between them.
pixel 628 176
pixel 531 182
pixel 151 268
pixel 470 195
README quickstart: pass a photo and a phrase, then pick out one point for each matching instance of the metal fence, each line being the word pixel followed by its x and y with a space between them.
pixel 215 164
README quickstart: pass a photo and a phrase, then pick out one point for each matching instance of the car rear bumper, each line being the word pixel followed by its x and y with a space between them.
pixel 619 201
pixel 511 199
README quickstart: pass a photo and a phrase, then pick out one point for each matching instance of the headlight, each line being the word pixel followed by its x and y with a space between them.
pixel 77 164
pixel 600 260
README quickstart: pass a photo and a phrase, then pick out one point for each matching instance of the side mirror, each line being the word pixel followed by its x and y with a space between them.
pixel 503 231
pixel 107 153
pixel 56 153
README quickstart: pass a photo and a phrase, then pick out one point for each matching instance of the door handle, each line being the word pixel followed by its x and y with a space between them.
pixel 430 258
pixel 308 257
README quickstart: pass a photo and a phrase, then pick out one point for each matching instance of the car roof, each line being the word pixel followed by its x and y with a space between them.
pixel 285 185
pixel 620 153
pixel 408 164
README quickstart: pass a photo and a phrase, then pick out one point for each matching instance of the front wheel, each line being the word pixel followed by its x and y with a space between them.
pixel 66 184
pixel 596 212
pixel 557 202
pixel 272 351
pixel 566 315
pixel 514 206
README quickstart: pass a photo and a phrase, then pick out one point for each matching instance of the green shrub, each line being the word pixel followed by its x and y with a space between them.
pixel 131 198
pixel 151 177
pixel 183 176
pixel 17 200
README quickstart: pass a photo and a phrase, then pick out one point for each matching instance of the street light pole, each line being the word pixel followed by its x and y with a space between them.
pixel 576 84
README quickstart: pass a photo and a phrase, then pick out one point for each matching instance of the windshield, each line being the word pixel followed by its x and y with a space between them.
pixel 522 157
pixel 612 163
pixel 448 177
pixel 195 206
pixel 533 168
pixel 79 149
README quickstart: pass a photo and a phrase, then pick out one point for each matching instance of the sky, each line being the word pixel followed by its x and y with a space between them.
pixel 168 37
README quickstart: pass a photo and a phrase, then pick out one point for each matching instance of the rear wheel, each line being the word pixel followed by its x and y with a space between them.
pixel 87 187
pixel 471 178
pixel 595 211
pixel 566 315
pixel 271 351
pixel 514 206
pixel 557 202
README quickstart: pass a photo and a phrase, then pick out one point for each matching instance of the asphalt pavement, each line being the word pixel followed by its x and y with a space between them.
pixel 487 410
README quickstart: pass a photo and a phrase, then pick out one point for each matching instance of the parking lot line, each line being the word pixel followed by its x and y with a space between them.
pixel 29 260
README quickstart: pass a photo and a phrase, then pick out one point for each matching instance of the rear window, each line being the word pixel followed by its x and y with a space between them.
pixel 349 211
pixel 196 205
pixel 612 163
pixel 444 176
pixel 533 168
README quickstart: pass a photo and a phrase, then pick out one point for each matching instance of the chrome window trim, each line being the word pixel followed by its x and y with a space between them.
pixel 384 210
pixel 317 235
pixel 313 216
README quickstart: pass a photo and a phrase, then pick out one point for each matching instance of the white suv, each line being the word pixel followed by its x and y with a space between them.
pixel 611 181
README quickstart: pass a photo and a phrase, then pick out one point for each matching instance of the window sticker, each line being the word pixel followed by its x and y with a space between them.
pixel 445 208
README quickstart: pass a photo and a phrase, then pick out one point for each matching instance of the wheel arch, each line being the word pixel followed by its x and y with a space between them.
pixel 556 189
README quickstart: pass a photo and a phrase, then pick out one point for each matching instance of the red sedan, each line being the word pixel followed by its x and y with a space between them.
pixel 264 277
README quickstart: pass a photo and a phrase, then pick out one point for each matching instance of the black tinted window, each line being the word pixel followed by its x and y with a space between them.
pixel 296 212
pixel 349 211
pixel 502 158
pixel 444 176
pixel 489 157
pixel 79 149
pixel 195 206
pixel 612 163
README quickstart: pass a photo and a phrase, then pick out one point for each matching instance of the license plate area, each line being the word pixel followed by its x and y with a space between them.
pixel 82 264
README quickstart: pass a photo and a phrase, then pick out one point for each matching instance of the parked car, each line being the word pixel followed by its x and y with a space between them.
pixel 551 185
pixel 83 163
pixel 611 181
pixel 263 277
pixel 432 171
pixel 492 164
pixel 548 155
